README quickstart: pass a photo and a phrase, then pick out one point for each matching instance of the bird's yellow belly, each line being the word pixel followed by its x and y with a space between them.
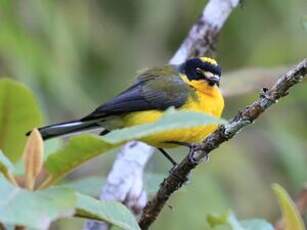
pixel 204 103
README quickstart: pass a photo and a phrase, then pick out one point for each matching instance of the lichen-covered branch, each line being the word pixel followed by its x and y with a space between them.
pixel 203 35
pixel 200 41
pixel 247 116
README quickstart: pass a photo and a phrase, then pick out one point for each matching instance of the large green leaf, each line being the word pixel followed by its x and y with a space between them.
pixel 18 114
pixel 172 119
pixel 92 185
pixel 290 215
pixel 82 148
pixel 78 150
pixel 34 209
pixel 152 182
pixel 109 211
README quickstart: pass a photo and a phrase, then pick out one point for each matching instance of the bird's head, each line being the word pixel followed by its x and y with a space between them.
pixel 203 69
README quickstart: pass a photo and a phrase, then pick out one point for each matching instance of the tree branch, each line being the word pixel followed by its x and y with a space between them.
pixel 203 35
pixel 247 116
pixel 200 41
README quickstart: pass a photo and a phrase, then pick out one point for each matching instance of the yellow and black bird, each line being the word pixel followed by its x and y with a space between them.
pixel 191 86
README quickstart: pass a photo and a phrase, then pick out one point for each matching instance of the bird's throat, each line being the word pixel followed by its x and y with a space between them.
pixel 202 86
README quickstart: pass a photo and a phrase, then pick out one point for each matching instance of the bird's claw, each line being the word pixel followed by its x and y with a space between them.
pixel 194 148
pixel 191 157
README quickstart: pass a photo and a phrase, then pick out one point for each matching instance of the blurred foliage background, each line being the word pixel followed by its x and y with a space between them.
pixel 76 54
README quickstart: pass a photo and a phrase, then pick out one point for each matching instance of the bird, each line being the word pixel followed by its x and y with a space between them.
pixel 190 86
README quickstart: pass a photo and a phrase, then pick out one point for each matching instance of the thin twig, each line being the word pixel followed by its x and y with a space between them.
pixel 179 174
pixel 200 41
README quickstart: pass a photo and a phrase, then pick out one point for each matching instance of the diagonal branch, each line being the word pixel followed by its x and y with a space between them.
pixel 247 116
pixel 204 33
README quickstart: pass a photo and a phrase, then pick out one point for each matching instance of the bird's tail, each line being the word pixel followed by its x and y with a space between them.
pixel 66 128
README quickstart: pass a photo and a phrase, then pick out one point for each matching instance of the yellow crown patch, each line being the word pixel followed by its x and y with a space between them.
pixel 209 60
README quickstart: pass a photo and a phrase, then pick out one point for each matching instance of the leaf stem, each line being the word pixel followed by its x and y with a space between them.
pixel 12 179
pixel 46 183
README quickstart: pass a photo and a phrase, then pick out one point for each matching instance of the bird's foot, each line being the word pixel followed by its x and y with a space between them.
pixel 168 157
pixel 192 149
pixel 196 154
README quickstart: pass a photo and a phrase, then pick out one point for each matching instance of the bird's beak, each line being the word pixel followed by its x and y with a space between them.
pixel 212 79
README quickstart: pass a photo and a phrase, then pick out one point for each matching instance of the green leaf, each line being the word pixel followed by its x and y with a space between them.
pixel 52 146
pixel 90 185
pixel 18 114
pixel 6 166
pixel 227 218
pixel 152 182
pixel 78 150
pixel 172 119
pixel 290 215
pixel 256 224
pixel 34 209
pixel 231 220
pixel 215 220
pixel 109 211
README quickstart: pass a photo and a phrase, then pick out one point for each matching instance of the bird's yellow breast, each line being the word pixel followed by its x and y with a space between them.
pixel 207 99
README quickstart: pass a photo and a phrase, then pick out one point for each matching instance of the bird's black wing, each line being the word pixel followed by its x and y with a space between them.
pixel 157 88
